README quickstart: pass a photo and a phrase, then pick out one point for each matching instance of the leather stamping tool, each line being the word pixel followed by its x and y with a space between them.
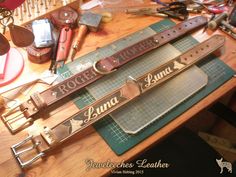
pixel 88 21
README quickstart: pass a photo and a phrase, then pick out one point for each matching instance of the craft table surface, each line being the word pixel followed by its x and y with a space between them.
pixel 68 160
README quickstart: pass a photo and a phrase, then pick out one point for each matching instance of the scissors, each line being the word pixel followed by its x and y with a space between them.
pixel 176 10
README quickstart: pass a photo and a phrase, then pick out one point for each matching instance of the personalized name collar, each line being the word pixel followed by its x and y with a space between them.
pixel 51 137
pixel 22 116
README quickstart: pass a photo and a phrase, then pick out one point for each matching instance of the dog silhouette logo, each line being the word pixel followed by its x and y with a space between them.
pixel 223 165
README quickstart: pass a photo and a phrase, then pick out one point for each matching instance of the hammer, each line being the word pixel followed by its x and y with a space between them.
pixel 221 20
pixel 87 21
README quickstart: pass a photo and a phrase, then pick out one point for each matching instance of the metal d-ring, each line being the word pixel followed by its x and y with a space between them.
pixel 100 71
pixel 131 79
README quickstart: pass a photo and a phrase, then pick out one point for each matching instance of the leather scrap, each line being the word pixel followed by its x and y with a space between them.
pixel 20 36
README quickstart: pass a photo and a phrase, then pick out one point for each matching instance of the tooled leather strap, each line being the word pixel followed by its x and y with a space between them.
pixel 129 91
pixel 50 138
pixel 106 65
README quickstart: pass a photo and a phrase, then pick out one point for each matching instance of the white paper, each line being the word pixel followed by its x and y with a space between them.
pixel 90 4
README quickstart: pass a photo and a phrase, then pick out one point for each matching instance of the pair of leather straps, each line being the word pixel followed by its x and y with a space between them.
pixel 39 101
pixel 49 138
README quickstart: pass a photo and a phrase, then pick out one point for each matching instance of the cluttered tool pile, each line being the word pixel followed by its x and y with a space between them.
pixel 103 72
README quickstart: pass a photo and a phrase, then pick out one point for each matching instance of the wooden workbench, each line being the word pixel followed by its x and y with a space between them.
pixel 69 159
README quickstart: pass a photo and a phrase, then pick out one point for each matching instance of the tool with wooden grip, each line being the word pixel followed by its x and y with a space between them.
pixel 88 21
pixel 50 138
pixel 221 22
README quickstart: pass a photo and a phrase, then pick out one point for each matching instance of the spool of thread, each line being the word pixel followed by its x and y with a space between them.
pixel 37 55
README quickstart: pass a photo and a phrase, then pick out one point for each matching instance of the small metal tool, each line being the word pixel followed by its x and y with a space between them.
pixel 221 22
pixel 55 35
pixel 145 11
pixel 88 21
pixel 176 10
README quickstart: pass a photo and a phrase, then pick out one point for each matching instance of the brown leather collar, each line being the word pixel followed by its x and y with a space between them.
pixel 131 89
pixel 51 137
pixel 104 66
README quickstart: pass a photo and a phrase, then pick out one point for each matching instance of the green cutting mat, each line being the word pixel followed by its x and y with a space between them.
pixel 119 141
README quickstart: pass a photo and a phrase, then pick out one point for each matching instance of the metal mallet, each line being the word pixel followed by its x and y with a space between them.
pixel 88 21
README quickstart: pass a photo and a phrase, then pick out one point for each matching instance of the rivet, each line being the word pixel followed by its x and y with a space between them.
pixel 38 143
pixel 35 109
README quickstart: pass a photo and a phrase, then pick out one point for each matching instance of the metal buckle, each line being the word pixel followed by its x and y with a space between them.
pixel 100 71
pixel 15 115
pixel 17 154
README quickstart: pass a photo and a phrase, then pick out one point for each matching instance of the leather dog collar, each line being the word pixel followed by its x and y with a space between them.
pixel 51 137
pixel 38 101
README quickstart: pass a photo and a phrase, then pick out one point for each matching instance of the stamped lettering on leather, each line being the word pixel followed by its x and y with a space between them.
pixel 109 64
pixel 154 77
pixel 95 111
pixel 135 50
pixel 73 83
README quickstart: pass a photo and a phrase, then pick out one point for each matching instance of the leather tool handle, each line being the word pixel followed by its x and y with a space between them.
pixel 79 40
pixel 80 37
pixel 64 44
